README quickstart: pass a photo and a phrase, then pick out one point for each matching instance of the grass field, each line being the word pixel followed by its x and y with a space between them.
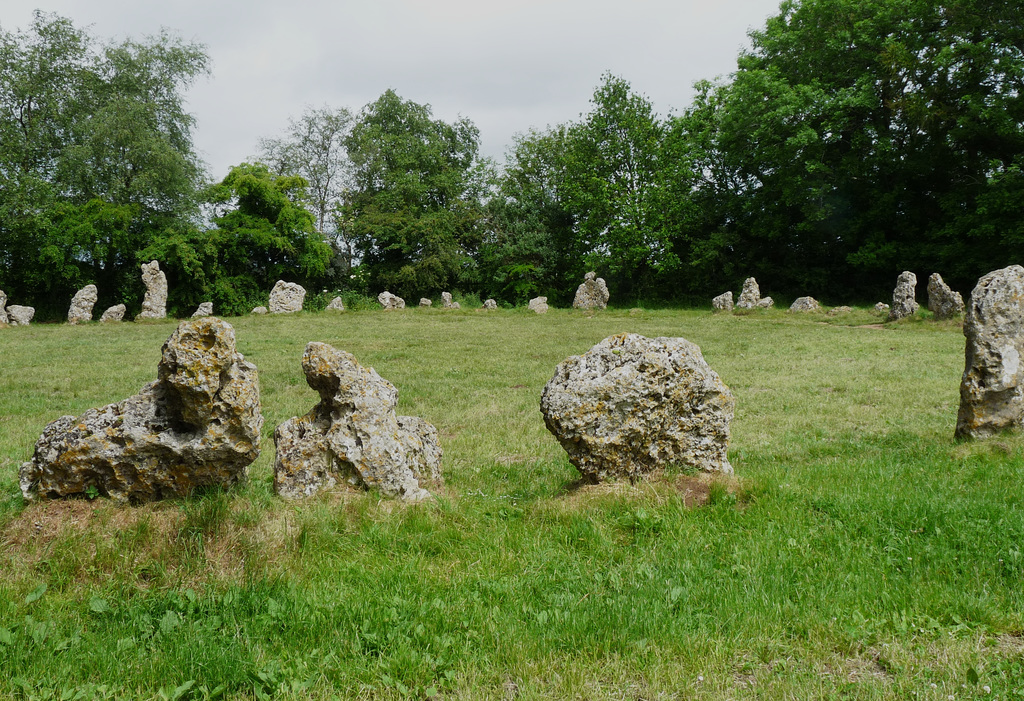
pixel 859 552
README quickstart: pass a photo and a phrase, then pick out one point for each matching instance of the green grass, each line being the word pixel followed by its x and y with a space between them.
pixel 861 553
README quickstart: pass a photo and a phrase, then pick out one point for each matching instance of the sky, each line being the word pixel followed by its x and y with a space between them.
pixel 507 66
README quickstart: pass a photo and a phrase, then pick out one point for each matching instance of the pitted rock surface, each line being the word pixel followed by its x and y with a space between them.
pixel 592 294
pixel 903 302
pixel 337 305
pixel 114 313
pixel 992 386
pixel 765 303
pixel 353 435
pixel 446 299
pixel 943 302
pixel 424 302
pixel 287 297
pixel 750 295
pixel 82 304
pixel 18 315
pixel 154 304
pixel 3 307
pixel 204 309
pixel 632 404
pixel 390 301
pixel 197 426
pixel 539 305
pixel 805 304
pixel 881 308
pixel 490 304
pixel 723 302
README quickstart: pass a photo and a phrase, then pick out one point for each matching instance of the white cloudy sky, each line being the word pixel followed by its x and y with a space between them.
pixel 508 66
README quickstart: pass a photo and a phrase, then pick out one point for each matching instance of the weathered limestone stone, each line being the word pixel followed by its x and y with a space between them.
pixel 750 295
pixel 539 305
pixel 632 404
pixel 390 301
pixel 903 302
pixel 446 299
pixel 82 304
pixel 943 302
pixel 259 310
pixel 336 305
pixel 490 304
pixel 114 313
pixel 17 315
pixel 805 304
pixel 204 309
pixel 286 297
pixel 992 386
pixel 424 302
pixel 836 311
pixel 154 304
pixel 3 307
pixel 881 308
pixel 353 434
pixel 592 294
pixel 723 302
pixel 197 426
pixel 765 303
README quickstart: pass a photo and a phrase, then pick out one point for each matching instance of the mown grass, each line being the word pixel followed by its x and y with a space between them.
pixel 860 553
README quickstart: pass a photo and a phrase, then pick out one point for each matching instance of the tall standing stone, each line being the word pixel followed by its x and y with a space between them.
pixel 82 304
pixel 750 295
pixel 592 294
pixel 904 303
pixel 3 307
pixel 154 304
pixel 632 404
pixel 992 386
pixel 943 302
pixel 198 425
pixel 287 297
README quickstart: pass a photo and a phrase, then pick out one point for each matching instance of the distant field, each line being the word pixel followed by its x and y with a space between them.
pixel 859 552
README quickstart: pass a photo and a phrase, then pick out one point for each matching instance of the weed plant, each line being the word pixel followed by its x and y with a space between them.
pixel 859 553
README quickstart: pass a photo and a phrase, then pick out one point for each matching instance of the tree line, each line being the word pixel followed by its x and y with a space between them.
pixel 855 139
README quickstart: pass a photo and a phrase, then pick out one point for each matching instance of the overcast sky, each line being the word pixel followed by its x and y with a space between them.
pixel 507 66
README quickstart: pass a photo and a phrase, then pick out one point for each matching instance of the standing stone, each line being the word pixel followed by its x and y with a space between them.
pixel 490 304
pixel 881 308
pixel 198 425
pixel 992 386
pixel 632 404
pixel 390 301
pixel 539 305
pixel 592 294
pixel 903 302
pixel 723 302
pixel 805 304
pixel 287 297
pixel 765 303
pixel 353 435
pixel 943 302
pixel 836 311
pixel 3 307
pixel 259 310
pixel 154 304
pixel 82 304
pixel 204 309
pixel 424 302
pixel 750 295
pixel 446 298
pixel 18 315
pixel 336 305
pixel 114 313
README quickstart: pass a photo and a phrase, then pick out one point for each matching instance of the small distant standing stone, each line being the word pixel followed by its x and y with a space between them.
pixel 903 302
pixel 82 304
pixel 114 313
pixel 336 305
pixel 490 304
pixel 881 308
pixel 750 295
pixel 154 304
pixel 287 297
pixel 992 386
pixel 592 294
pixel 20 316
pixel 424 302
pixel 390 301
pixel 3 307
pixel 446 298
pixel 259 310
pixel 805 304
pixel 765 303
pixel 836 311
pixel 539 305
pixel 943 302
pixel 204 309
pixel 723 302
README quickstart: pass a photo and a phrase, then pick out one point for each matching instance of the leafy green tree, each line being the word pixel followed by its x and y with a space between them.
pixel 415 205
